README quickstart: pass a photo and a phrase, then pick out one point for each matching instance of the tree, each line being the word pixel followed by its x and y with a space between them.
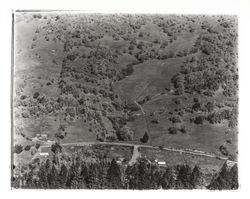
pixel 196 177
pixel 210 107
pixel 27 148
pixel 42 175
pixel 138 175
pixel 75 181
pixel 143 178
pixel 84 172
pixel 220 180
pixel 172 130
pixel 114 175
pixel 18 148
pixel 62 177
pixel 178 81
pixel 53 178
pixel 234 176
pixel 183 177
pixel 199 119
pixel 56 148
pixel 183 129
pixel 175 119
pixel 224 150
pixel 92 181
pixel 164 44
pixel 196 106
pixel 145 138
pixel 167 180
pixel 125 134
pixel 37 145
pixel 36 95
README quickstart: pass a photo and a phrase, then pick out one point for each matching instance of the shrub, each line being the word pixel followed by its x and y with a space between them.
pixel 155 121
pixel 183 129
pixel 199 119
pixel 210 106
pixel 178 81
pixel 18 149
pixel 33 46
pixel 47 38
pixel 175 119
pixel 140 45
pixel 36 95
pixel 27 148
pixel 164 44
pixel 224 150
pixel 196 106
pixel 131 47
pixel 177 101
pixel 25 115
pixel 125 134
pixel 172 130
pixel 71 57
pixel 39 16
pixel 23 97
pixel 140 34
pixel 34 38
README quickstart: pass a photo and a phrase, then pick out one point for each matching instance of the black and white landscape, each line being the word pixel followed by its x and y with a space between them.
pixel 121 101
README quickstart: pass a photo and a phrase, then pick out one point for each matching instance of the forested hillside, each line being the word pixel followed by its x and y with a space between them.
pixel 156 80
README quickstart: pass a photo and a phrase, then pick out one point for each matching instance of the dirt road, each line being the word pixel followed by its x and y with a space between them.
pixel 136 153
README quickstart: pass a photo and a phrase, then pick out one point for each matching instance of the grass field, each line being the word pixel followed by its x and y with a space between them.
pixel 101 151
pixel 205 137
pixel 175 158
pixel 149 77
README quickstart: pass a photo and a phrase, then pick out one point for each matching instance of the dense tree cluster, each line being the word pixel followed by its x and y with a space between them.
pixel 216 67
pixel 77 173
pixel 225 179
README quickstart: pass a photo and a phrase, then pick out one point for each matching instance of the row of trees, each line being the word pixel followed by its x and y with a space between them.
pixel 105 174
pixel 216 117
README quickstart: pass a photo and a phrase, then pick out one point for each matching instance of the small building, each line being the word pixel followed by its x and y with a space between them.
pixel 44 154
pixel 171 91
pixel 42 137
pixel 161 163
pixel 118 162
pixel 121 159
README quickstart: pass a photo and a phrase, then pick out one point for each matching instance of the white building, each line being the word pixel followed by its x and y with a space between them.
pixel 161 163
pixel 44 154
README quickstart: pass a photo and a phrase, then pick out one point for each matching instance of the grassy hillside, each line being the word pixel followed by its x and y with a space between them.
pixel 77 77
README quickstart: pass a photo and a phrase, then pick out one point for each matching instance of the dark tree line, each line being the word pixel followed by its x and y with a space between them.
pixel 106 174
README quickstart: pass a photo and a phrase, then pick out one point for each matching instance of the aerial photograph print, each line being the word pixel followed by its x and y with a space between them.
pixel 124 101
